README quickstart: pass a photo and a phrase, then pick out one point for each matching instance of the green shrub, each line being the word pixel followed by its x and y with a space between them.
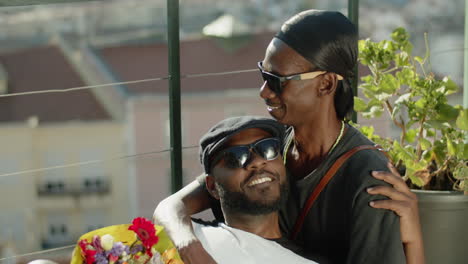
pixel 432 149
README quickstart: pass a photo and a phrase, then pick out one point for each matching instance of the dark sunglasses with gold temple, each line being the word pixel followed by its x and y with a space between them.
pixel 276 83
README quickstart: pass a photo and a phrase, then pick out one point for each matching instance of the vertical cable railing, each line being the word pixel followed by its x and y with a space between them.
pixel 353 15
pixel 174 93
pixel 465 67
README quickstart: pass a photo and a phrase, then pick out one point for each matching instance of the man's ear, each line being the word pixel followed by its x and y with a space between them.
pixel 328 84
pixel 211 186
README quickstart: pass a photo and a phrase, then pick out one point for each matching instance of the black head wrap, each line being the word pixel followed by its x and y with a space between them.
pixel 329 41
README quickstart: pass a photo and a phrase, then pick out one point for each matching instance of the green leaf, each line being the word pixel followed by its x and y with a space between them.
pixel 362 44
pixel 427 155
pixel 389 84
pixel 359 104
pixel 406 76
pixel 465 152
pixel 416 180
pixel 419 59
pixel 396 110
pixel 410 135
pixel 369 94
pixel 368 131
pixel 374 111
pixel 430 133
pixel 461 149
pixel 367 79
pixel 421 103
pixel 425 144
pixel 446 112
pixel 401 59
pixel 408 47
pixel 400 35
pixel 411 173
pixel 383 96
pixel 462 120
pixel 450 86
pixel 451 148
pixel 460 171
pixel 404 98
pixel 435 124
pixel 388 46
pixel 405 154
pixel 440 152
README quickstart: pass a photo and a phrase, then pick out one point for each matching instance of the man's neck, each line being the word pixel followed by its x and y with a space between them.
pixel 314 141
pixel 266 226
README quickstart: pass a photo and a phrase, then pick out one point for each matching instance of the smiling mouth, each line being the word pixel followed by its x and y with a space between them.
pixel 259 181
pixel 271 108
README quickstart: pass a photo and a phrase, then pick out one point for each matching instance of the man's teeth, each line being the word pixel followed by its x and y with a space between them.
pixel 270 108
pixel 258 181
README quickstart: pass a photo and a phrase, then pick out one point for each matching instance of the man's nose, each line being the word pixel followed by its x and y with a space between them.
pixel 266 92
pixel 256 162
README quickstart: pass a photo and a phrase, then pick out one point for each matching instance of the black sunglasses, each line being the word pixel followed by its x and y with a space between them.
pixel 276 83
pixel 240 156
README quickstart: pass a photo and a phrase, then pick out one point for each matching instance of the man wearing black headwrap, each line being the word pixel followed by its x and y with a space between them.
pixel 340 227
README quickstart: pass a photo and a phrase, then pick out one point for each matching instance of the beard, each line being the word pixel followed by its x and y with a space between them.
pixel 238 202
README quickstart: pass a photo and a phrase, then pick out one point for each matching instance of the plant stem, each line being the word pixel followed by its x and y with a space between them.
pixel 390 111
pixel 441 169
pixel 420 135
pixel 428 52
pixel 401 124
pixel 403 131
pixel 390 70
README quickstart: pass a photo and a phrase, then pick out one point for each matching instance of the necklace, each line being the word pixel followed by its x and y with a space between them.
pixel 290 139
pixel 338 139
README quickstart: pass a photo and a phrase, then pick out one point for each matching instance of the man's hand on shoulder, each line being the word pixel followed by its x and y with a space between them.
pixel 405 204
pixel 194 253
pixel 402 201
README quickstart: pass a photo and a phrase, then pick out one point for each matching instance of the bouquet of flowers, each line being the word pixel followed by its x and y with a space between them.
pixel 116 245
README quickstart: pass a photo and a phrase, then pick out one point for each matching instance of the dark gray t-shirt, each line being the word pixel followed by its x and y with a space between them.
pixel 341 227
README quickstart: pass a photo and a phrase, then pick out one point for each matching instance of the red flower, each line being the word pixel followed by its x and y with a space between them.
pixel 87 251
pixel 83 243
pixel 145 231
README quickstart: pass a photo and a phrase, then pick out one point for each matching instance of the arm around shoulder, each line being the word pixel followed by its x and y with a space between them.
pixel 174 214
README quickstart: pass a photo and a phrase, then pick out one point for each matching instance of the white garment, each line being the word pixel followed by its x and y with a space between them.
pixel 229 245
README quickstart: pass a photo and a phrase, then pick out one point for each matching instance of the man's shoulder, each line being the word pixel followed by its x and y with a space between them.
pixel 362 162
pixel 224 242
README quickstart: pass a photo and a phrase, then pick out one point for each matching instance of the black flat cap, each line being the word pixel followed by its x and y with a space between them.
pixel 215 138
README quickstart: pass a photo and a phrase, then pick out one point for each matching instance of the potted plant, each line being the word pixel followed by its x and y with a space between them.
pixel 432 150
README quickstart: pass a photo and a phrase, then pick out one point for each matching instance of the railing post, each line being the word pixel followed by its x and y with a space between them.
pixel 465 66
pixel 174 93
pixel 353 15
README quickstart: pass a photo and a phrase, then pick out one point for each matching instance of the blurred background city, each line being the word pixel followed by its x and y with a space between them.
pixel 84 158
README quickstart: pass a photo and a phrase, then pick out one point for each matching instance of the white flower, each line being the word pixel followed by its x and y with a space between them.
pixel 107 241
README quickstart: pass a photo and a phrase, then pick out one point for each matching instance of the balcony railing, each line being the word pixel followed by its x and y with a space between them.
pixel 98 186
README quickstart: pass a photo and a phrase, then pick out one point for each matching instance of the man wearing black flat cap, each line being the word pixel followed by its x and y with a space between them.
pixel 244 171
